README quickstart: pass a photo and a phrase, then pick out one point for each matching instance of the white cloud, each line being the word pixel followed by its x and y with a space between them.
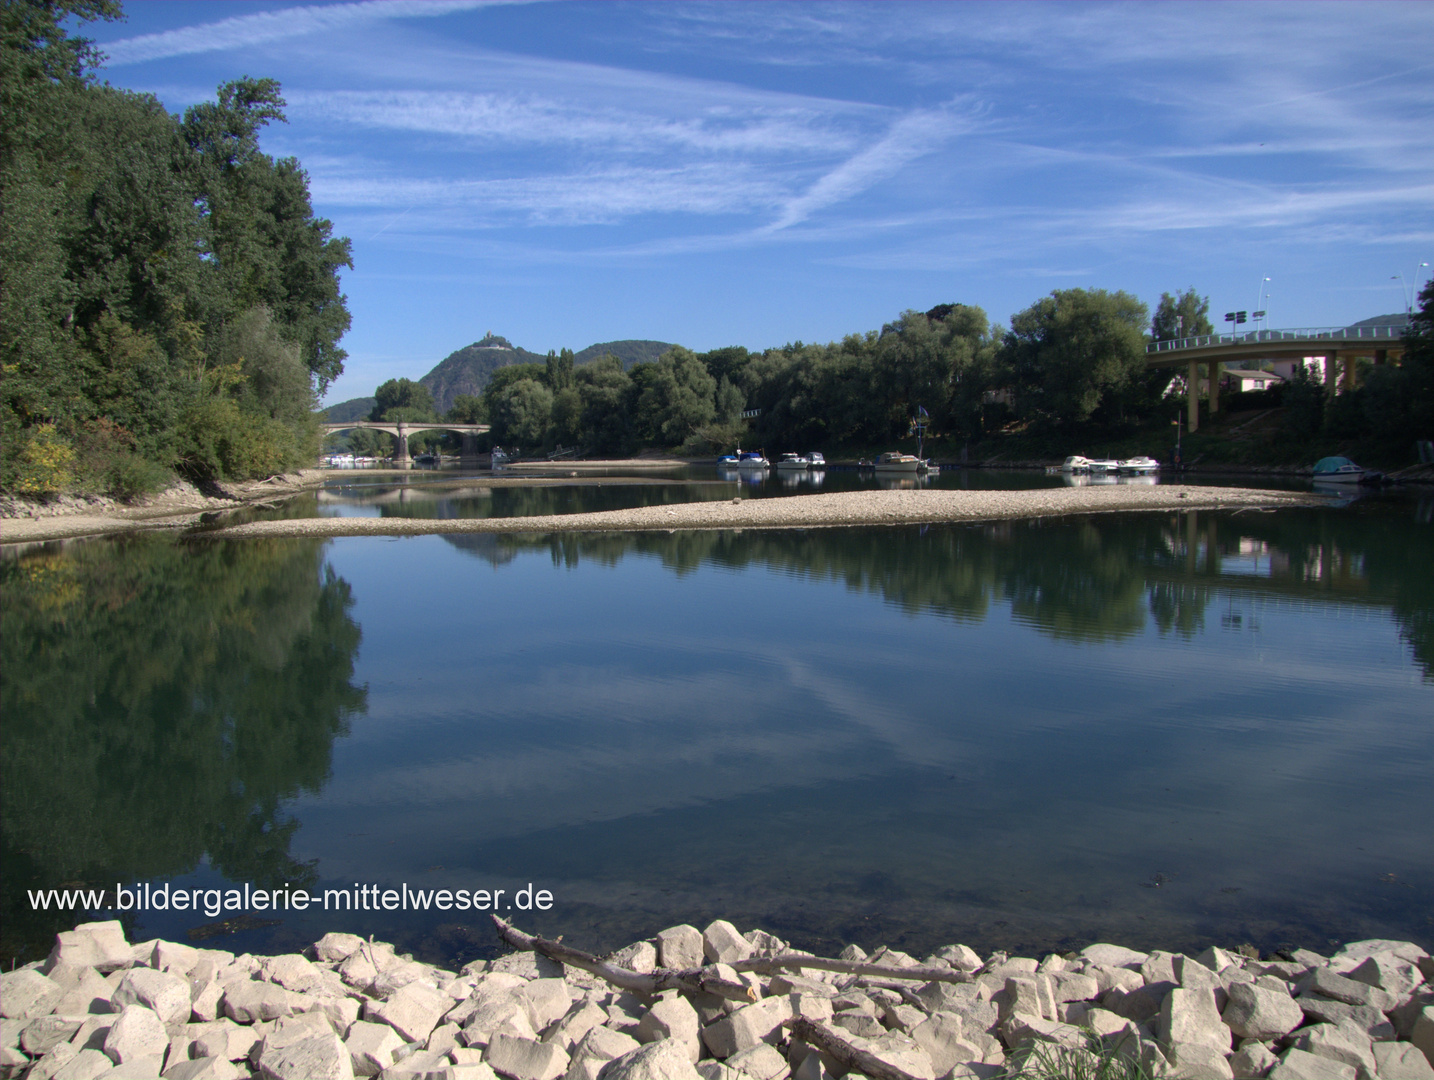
pixel 262 27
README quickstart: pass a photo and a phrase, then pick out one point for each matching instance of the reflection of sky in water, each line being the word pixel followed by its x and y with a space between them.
pixel 817 756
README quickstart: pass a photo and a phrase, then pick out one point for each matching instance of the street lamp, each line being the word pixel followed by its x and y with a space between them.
pixel 1261 295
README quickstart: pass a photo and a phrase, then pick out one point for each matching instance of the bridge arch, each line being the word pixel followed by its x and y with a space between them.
pixel 402 429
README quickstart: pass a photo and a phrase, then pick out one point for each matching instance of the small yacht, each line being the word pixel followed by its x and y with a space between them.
pixel 1103 466
pixel 1139 466
pixel 894 461
pixel 791 463
pixel 816 461
pixel 752 459
pixel 1340 470
pixel 1076 464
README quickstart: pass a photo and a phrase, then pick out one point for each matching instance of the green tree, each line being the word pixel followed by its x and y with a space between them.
pixel 520 413
pixel 676 399
pixel 606 392
pixel 1070 351
pixel 403 399
pixel 560 370
pixel 1186 314
pixel 468 409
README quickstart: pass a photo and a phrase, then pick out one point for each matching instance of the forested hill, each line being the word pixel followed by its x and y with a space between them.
pixel 468 370
pixel 357 408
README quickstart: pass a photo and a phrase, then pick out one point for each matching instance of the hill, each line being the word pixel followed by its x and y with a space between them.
pixel 353 409
pixel 468 370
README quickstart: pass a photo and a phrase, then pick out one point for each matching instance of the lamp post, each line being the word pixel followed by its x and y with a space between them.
pixel 1261 294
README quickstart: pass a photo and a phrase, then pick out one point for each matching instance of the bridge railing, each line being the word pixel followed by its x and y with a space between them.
pixel 1308 333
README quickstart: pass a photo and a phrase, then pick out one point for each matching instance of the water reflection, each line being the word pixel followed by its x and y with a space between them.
pixel 162 702
pixel 997 733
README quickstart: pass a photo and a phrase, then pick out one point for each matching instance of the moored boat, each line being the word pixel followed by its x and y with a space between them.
pixel 816 461
pixel 1340 470
pixel 1076 464
pixel 1139 466
pixel 894 461
pixel 791 463
pixel 752 459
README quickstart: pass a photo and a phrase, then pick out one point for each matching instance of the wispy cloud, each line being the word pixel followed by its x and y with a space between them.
pixel 262 27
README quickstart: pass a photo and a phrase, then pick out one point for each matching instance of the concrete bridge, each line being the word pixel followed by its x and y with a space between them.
pixel 1340 346
pixel 402 429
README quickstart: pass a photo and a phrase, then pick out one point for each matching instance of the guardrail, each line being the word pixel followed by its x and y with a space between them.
pixel 1309 333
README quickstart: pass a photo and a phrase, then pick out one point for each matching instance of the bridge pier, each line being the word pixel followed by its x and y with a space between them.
pixel 1192 398
pixel 1214 388
pixel 400 448
pixel 1331 373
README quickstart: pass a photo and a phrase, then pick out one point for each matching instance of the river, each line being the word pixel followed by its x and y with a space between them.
pixel 1165 730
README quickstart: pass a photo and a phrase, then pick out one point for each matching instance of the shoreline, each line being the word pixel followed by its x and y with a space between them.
pixel 822 510
pixel 712 1004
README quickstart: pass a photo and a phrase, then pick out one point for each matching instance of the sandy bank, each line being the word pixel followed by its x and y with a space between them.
pixel 808 511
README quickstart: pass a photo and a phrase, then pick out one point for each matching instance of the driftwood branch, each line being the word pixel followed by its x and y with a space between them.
pixel 700 981
pixel 842 1052
pixel 771 965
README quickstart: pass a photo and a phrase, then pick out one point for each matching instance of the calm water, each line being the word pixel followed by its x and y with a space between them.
pixel 1161 730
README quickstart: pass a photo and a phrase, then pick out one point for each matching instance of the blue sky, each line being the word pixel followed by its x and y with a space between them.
pixel 745 173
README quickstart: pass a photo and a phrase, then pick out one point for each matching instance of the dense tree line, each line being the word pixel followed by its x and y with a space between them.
pixel 1076 357
pixel 169 300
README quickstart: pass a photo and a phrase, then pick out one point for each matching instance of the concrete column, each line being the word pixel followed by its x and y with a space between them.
pixel 1192 394
pixel 1331 368
pixel 1214 388
pixel 400 449
pixel 1351 372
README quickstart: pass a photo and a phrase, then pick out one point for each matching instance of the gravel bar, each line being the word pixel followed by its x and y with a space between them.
pixel 808 511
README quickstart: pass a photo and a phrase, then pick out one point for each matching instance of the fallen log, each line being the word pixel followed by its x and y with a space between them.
pixel 700 981
pixel 842 1052
pixel 771 965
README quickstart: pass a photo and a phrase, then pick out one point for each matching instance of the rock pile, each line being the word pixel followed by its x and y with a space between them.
pixel 101 1007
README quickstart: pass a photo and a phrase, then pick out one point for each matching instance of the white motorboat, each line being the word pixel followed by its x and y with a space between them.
pixel 791 463
pixel 752 459
pixel 1102 466
pixel 1340 470
pixel 1076 464
pixel 894 461
pixel 816 461
pixel 1139 466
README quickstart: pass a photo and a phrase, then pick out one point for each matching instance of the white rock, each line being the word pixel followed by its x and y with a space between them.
pixel 672 1017
pixel 640 956
pixel 1190 1016
pixel 85 1065
pixel 98 945
pixel 1252 1060
pixel 137 1032
pixel 318 1057
pixel 664 1060
pixel 413 1011
pixel 722 944
pixel 1217 960
pixel 44 1033
pixel 596 1049
pixel 140 1069
pixel 53 1062
pixel 371 1047
pixel 26 994
pixel 580 1019
pixel 1401 1061
pixel 1339 1042
pixel 164 992
pixel 223 1038
pixel 524 1059
pixel 291 972
pixel 680 948
pixel 1116 956
pixel 1259 1012
pixel 1299 1065
pixel 760 1061
pixel 1329 984
pixel 1072 986
pixel 506 1014
pixel 88 994
pixel 759 1022
pixel 942 1037
pixel 1389 972
pixel 547 1000
pixel 959 957
pixel 1350 955
pixel 1198 1061
pixel 172 956
pixel 248 1001
pixel 336 948
pixel 204 1068
pixel 1422 1033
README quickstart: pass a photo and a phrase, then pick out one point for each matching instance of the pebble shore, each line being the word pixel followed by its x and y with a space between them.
pixel 102 1007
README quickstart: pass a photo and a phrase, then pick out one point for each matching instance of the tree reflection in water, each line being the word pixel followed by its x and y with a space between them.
pixel 162 700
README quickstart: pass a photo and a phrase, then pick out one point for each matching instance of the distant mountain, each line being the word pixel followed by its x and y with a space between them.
pixel 468 370
pixel 629 352
pixel 1398 319
pixel 353 409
